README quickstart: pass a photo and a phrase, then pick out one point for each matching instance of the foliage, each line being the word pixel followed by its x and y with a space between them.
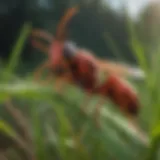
pixel 148 25
pixel 49 125
pixel 38 123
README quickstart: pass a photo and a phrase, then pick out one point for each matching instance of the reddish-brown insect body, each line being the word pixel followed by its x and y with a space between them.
pixel 55 53
pixel 83 68
pixel 84 72
pixel 120 93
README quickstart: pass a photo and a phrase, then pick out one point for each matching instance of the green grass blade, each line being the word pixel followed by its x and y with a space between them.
pixel 17 49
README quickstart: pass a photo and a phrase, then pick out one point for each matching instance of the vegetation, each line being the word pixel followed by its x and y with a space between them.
pixel 39 124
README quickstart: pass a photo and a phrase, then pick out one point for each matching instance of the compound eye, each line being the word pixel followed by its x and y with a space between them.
pixel 69 50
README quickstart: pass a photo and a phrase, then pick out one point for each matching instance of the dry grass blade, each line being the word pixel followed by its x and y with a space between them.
pixel 26 143
pixel 24 149
pixel 2 156
pixel 20 120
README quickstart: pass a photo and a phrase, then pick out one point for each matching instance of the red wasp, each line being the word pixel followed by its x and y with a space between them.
pixel 80 67
pixel 85 71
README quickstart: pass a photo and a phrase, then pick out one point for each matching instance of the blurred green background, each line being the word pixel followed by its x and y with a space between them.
pixel 37 123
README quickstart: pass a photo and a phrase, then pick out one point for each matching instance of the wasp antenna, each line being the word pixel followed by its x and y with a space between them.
pixel 61 29
pixel 42 34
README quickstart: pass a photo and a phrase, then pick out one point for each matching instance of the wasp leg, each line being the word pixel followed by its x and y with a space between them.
pixel 42 47
pixel 38 72
pixel 61 81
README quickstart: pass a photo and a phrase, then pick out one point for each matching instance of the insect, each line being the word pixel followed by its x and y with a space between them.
pixel 57 62
pixel 121 93
pixel 113 87
pixel 80 67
